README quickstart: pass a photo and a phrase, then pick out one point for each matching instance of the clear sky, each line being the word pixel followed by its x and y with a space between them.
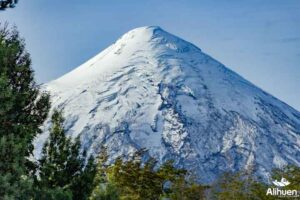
pixel 259 39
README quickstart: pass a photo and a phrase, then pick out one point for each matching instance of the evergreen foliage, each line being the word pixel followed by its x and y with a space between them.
pixel 239 185
pixel 291 173
pixel 53 194
pixel 62 165
pixel 7 4
pixel 23 109
pixel 243 185
pixel 105 191
pixel 139 179
pixel 187 190
pixel 102 189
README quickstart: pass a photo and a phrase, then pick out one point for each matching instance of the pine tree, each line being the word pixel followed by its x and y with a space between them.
pixel 7 4
pixel 23 109
pixel 62 165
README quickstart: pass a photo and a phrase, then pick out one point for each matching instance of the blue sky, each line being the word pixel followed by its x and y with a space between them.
pixel 259 39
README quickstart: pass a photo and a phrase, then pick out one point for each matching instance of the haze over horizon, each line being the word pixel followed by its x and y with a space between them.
pixel 258 39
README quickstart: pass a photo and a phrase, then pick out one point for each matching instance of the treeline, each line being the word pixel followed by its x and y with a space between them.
pixel 65 172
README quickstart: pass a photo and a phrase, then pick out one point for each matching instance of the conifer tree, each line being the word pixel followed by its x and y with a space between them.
pixel 83 185
pixel 23 109
pixel 7 4
pixel 62 165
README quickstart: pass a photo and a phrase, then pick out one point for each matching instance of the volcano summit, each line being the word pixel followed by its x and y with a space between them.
pixel 154 90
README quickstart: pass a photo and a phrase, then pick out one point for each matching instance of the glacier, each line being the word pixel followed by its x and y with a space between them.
pixel 153 90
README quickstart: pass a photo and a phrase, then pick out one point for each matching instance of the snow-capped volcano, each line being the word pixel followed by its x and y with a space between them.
pixel 154 90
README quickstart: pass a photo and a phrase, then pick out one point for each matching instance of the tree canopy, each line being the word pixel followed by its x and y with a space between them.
pixel 7 4
pixel 62 165
pixel 23 109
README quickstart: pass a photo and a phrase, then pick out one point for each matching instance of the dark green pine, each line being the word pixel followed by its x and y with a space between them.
pixel 62 165
pixel 23 109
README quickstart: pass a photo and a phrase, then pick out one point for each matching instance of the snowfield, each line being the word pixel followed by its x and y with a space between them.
pixel 154 90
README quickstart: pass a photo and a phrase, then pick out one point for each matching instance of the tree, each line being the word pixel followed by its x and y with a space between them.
pixel 291 173
pixel 105 191
pixel 102 188
pixel 179 183
pixel 239 185
pixel 52 194
pixel 136 180
pixel 184 189
pixel 23 109
pixel 7 4
pixel 139 178
pixel 62 165
pixel 83 185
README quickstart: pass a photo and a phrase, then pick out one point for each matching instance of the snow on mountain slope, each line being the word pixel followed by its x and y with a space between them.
pixel 154 90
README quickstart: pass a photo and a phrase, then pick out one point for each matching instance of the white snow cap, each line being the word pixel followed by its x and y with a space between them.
pixel 153 90
pixel 150 39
